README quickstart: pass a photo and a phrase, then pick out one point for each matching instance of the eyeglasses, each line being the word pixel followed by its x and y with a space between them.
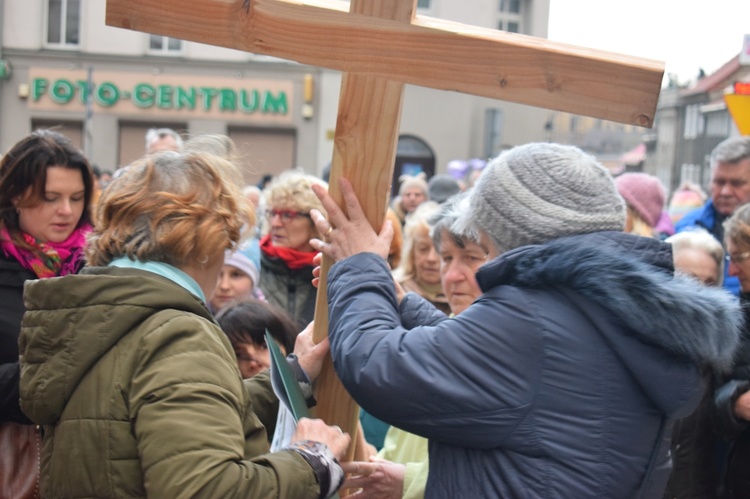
pixel 286 215
pixel 737 257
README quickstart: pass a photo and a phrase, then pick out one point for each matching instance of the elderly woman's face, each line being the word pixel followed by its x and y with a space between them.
pixel 426 260
pixel 290 228
pixel 698 264
pixel 458 269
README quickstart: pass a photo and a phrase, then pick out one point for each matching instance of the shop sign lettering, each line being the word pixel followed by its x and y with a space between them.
pixel 144 95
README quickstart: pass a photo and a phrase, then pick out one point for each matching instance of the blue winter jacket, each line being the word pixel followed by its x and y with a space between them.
pixel 560 381
pixel 705 217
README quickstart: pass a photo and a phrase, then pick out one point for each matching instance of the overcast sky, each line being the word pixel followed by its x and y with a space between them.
pixel 685 34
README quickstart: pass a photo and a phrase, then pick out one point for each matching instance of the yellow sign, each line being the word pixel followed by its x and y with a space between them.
pixel 739 109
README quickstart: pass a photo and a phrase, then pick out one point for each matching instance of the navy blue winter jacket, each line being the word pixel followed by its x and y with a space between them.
pixel 561 380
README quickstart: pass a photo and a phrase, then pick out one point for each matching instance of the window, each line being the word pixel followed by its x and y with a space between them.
pixel 510 16
pixel 718 124
pixel 64 22
pixel 694 122
pixel 164 45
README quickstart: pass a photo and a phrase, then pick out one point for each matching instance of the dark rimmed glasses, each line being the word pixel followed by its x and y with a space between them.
pixel 286 215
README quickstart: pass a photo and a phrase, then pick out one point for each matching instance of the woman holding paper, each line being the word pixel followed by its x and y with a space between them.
pixel 136 386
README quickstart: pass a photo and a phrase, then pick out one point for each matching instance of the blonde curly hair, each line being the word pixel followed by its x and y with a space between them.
pixel 177 208
pixel 292 189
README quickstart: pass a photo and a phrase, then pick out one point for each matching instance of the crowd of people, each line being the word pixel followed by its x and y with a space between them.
pixel 547 331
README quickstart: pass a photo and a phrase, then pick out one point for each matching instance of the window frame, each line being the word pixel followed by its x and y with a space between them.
pixel 505 16
pixel 63 25
pixel 164 51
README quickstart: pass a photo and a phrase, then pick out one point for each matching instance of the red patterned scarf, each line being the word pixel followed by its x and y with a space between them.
pixel 293 259
pixel 49 259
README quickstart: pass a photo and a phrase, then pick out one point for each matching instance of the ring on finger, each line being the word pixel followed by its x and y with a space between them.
pixel 328 232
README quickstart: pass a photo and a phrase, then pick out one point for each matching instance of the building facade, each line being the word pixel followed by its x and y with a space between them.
pixel 105 87
pixel 690 121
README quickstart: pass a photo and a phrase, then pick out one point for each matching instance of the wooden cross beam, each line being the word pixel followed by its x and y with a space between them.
pixel 380 45
pixel 427 52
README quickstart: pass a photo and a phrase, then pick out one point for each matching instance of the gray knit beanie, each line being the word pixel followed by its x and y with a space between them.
pixel 537 192
pixel 441 187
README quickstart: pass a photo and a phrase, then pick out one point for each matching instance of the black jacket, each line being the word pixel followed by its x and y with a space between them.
pixel 12 277
pixel 737 477
pixel 290 290
pixel 695 471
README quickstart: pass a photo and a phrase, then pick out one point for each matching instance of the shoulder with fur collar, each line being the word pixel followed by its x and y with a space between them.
pixel 630 277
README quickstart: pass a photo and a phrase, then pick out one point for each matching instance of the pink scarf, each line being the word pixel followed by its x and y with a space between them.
pixel 49 259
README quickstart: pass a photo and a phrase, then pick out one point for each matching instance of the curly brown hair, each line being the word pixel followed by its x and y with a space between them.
pixel 177 208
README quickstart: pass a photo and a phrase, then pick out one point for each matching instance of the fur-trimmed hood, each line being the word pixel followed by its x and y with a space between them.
pixel 631 277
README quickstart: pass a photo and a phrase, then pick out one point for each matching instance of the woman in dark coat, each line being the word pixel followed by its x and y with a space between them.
pixel 46 187
pixel 695 467
pixel 135 385
pixel 564 378
pixel 733 397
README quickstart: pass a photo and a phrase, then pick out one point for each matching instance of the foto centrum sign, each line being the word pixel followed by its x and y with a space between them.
pixel 178 95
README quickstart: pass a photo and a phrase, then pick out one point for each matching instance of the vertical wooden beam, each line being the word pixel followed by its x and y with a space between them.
pixel 364 153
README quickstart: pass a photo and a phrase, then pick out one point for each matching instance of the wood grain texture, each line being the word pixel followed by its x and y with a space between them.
pixel 364 152
pixel 425 51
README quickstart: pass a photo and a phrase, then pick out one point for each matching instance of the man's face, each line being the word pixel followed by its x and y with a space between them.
pixel 411 198
pixel 730 186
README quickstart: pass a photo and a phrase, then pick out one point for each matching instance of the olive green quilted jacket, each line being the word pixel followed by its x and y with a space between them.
pixel 139 395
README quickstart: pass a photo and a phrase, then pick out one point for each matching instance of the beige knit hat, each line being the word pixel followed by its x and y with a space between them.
pixel 537 192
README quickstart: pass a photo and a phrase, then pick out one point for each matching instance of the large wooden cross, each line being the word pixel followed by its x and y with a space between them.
pixel 380 45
